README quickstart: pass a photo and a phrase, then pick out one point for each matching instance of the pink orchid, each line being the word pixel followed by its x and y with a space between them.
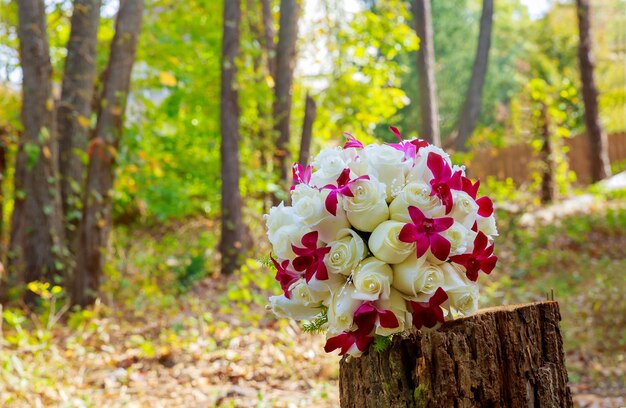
pixel 409 147
pixel 427 314
pixel 485 205
pixel 345 340
pixel 368 315
pixel 444 180
pixel 481 258
pixel 352 142
pixel 301 175
pixel 365 318
pixel 342 187
pixel 285 277
pixel 425 232
pixel 310 258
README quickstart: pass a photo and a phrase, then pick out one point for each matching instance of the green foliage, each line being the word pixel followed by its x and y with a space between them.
pixel 382 343
pixel 318 324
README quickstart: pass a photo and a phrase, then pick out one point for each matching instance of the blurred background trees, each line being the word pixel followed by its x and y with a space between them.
pixel 294 75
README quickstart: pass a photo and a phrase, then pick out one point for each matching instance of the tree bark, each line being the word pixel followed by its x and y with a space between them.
pixel 510 356
pixel 310 111
pixel 4 143
pixel 231 242
pixel 95 224
pixel 426 72
pixel 73 114
pixel 285 62
pixel 547 178
pixel 599 154
pixel 473 98
pixel 268 33
pixel 37 241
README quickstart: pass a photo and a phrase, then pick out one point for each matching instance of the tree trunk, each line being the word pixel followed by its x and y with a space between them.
pixel 73 114
pixel 268 33
pixel 310 111
pixel 37 241
pixel 473 98
pixel 426 73
pixel 285 61
pixel 4 143
pixel 231 242
pixel 509 356
pixel 96 218
pixel 547 167
pixel 599 154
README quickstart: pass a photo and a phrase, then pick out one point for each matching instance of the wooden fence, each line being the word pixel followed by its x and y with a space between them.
pixel 517 161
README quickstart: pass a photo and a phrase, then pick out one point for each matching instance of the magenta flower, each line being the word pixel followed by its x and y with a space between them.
pixel 310 258
pixel 365 317
pixel 425 232
pixel 409 147
pixel 345 340
pixel 427 314
pixel 481 258
pixel 352 142
pixel 300 175
pixel 485 205
pixel 342 187
pixel 444 180
pixel 284 276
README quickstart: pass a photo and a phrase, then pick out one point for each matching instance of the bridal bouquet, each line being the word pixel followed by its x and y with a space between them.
pixel 378 239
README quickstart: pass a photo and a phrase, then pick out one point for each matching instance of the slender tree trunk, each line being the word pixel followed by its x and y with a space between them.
pixel 268 34
pixel 4 137
pixel 511 356
pixel 473 98
pixel 285 62
pixel 547 167
pixel 73 114
pixel 310 111
pixel 37 242
pixel 232 239
pixel 95 224
pixel 426 72
pixel 599 154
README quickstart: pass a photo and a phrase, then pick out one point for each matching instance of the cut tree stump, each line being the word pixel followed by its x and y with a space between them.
pixel 509 356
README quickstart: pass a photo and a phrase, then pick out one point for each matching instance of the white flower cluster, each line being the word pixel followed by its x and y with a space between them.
pixel 378 239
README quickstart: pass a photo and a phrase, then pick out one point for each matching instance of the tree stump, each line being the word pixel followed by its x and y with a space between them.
pixel 509 356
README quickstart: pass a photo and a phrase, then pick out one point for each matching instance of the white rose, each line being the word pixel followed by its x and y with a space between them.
pixel 285 237
pixel 416 276
pixel 345 253
pixel 308 203
pixel 306 294
pixel 398 305
pixel 341 309
pixel 385 244
pixel 464 209
pixel 352 157
pixel 367 208
pixel 388 166
pixel 487 225
pixel 279 217
pixel 415 194
pixel 372 279
pixel 462 292
pixel 421 172
pixel 328 164
pixel 330 226
pixel 293 308
pixel 457 235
